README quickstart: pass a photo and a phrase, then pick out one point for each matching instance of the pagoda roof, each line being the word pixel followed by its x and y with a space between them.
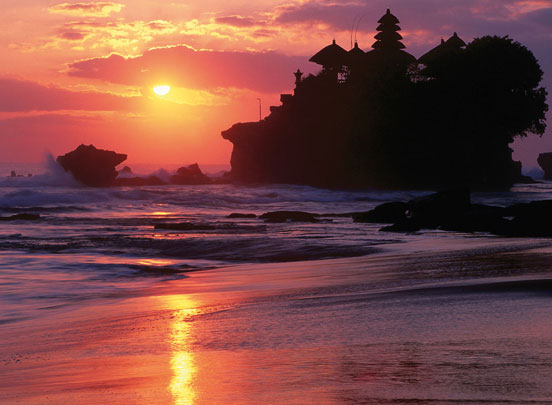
pixel 433 53
pixel 388 18
pixel 455 41
pixel 388 45
pixel 392 27
pixel 388 36
pixel 355 55
pixel 330 56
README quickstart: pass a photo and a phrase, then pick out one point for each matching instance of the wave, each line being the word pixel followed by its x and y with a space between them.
pixel 250 246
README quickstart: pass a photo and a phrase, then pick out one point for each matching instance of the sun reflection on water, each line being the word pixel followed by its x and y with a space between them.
pixel 182 362
pixel 161 213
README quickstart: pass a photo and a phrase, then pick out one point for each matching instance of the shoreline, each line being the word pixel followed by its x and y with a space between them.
pixel 124 350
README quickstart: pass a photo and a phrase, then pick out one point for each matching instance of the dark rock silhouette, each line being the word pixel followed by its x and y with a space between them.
pixel 385 213
pixel 291 216
pixel 383 119
pixel 190 175
pixel 125 171
pixel 21 217
pixel 545 162
pixel 237 215
pixel 92 167
pixel 452 211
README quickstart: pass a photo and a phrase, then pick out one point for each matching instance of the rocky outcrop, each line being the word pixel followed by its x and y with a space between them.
pixel 350 128
pixel 21 217
pixel 239 215
pixel 452 211
pixel 288 216
pixel 545 162
pixel 190 175
pixel 125 171
pixel 91 166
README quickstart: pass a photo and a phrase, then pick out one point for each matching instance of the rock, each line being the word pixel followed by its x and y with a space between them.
pixel 541 209
pixel 532 219
pixel 92 167
pixel 440 207
pixel 190 175
pixel 138 181
pixel 240 215
pixel 404 225
pixel 21 217
pixel 545 162
pixel 452 211
pixel 339 215
pixel 291 216
pixel 125 171
pixel 479 218
pixel 386 213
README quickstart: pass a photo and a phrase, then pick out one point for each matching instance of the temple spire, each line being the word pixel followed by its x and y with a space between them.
pixel 388 38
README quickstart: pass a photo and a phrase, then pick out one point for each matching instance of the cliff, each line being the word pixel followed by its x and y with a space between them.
pixel 383 119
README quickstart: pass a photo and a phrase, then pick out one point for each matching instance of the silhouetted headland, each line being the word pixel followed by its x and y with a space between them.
pixel 384 119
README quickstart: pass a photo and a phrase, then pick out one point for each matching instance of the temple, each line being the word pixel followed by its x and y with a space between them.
pixel 340 66
pixel 387 52
pixel 382 118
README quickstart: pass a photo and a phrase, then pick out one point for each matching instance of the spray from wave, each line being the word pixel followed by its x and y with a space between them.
pixel 52 175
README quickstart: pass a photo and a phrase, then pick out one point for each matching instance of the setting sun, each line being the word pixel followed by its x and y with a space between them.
pixel 162 90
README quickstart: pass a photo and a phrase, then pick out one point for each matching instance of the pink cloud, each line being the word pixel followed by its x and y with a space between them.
pixel 92 9
pixel 72 35
pixel 239 21
pixel 23 95
pixel 183 66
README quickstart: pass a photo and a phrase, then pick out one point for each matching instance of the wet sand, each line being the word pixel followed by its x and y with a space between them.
pixel 464 323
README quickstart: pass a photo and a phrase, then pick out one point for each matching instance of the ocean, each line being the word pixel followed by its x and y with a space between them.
pixel 99 306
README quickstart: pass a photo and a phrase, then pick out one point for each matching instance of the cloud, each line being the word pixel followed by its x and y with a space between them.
pixel 17 95
pixel 93 9
pixel 543 17
pixel 184 66
pixel 72 35
pixel 239 21
pixel 129 37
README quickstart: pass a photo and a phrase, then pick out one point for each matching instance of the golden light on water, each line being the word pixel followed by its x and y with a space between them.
pixel 182 359
pixel 162 90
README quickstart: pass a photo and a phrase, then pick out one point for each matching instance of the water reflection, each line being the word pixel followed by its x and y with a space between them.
pixel 182 362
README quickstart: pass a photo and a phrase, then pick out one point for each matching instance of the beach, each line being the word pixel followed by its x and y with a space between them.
pixel 462 322
pixel 104 303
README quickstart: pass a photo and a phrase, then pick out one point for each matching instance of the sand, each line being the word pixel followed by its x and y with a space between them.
pixel 449 323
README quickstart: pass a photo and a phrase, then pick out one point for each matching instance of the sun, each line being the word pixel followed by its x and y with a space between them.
pixel 162 90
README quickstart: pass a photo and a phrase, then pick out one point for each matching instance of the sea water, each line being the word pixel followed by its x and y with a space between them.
pixel 400 331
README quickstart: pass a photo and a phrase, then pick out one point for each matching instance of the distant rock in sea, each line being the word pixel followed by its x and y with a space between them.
pixel 125 171
pixel 190 175
pixel 21 217
pixel 91 166
pixel 545 162
pixel 288 216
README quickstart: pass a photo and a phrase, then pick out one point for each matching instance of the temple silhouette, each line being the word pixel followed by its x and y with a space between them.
pixel 383 118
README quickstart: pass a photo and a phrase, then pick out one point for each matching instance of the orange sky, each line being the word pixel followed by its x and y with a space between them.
pixel 82 72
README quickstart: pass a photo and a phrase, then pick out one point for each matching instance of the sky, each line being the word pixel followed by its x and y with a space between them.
pixel 75 72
